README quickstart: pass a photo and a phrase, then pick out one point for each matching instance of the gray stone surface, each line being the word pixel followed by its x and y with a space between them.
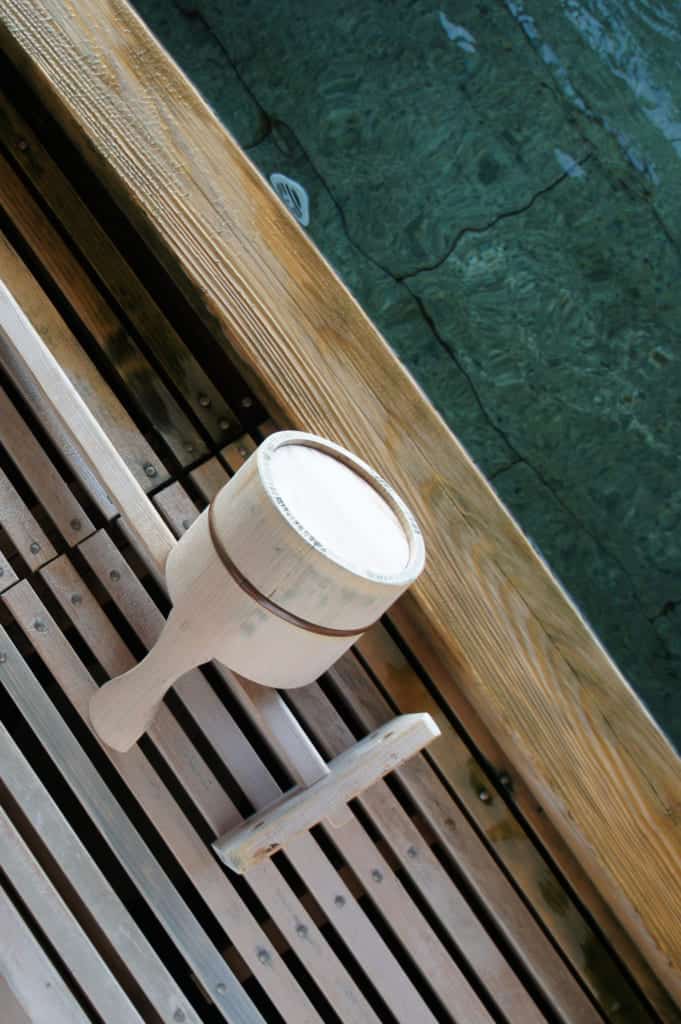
pixel 499 185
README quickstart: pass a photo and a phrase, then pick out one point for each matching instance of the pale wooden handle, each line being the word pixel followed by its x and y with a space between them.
pixel 124 708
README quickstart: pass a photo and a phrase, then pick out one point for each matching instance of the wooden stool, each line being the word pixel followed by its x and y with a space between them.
pixel 297 555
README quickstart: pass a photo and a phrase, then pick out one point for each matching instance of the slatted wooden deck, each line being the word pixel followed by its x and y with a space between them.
pixel 449 896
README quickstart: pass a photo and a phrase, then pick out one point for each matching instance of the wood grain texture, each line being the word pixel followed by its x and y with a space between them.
pixel 36 468
pixel 331 893
pixel 136 452
pixel 100 903
pixel 502 832
pixel 31 977
pixel 103 809
pixel 61 928
pixel 496 617
pixel 20 337
pixel 145 388
pixel 110 265
pixel 209 797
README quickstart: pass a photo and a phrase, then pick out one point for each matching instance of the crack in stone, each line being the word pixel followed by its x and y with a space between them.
pixel 266 122
pixel 667 608
pixel 270 122
pixel 504 215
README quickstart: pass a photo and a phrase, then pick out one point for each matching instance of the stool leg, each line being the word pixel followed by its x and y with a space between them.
pixel 123 709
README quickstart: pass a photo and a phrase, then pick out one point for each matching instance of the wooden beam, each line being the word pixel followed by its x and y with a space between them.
pixel 487 607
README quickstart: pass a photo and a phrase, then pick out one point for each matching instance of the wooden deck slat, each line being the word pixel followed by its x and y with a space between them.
pixel 199 391
pixel 491 886
pixel 211 800
pixel 22 344
pixel 483 956
pixel 30 975
pixel 104 811
pixel 143 385
pixel 8 577
pixel 511 843
pixel 496 617
pixel 44 480
pixel 101 904
pixel 109 412
pixel 260 788
pixel 21 526
pixel 61 928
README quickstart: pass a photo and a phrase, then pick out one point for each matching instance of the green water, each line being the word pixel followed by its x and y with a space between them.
pixel 500 186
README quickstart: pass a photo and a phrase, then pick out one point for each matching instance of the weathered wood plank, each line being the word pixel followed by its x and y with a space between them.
pixel 8 577
pixel 144 386
pixel 332 895
pixel 30 975
pixel 476 788
pixel 520 650
pixel 244 764
pixel 453 829
pixel 23 341
pixel 109 264
pixel 104 910
pixel 191 771
pixel 21 526
pixel 103 809
pixel 565 993
pixel 61 928
pixel 44 480
pixel 87 382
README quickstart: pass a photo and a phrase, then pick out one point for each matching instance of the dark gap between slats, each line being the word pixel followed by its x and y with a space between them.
pixel 95 844
pixel 116 964
pixel 108 359
pixel 343 707
pixel 505 793
pixel 206 835
pixel 140 257
pixel 146 426
pixel 51 952
pixel 335 941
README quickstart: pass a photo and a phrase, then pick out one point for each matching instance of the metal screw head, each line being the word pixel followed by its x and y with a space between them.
pixel 76 599
pixel 188 447
pixel 149 469
pixel 247 402
pixel 263 955
pixel 221 988
pixel 412 852
pixel 39 626
pixel 505 779
pixel 377 875
pixel 3 657
pixel 114 575
pixel 22 144
pixel 204 401
pixel 35 547
pixel 186 524
pixel 243 452
pixel 76 524
pixel 484 795
pixel 301 929
pixel 339 901
pixel 223 424
pixel 179 1016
